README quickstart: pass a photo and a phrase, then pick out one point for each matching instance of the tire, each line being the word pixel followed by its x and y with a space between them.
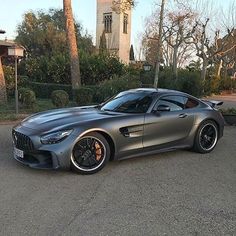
pixel 206 137
pixel 90 154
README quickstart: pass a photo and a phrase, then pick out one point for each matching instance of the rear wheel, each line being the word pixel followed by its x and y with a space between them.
pixel 207 137
pixel 90 154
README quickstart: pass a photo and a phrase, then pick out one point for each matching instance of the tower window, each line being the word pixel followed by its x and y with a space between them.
pixel 125 24
pixel 107 18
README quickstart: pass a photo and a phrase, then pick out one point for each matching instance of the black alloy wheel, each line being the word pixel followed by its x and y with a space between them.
pixel 90 153
pixel 207 137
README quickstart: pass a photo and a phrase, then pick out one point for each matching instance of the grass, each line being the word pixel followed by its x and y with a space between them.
pixel 7 111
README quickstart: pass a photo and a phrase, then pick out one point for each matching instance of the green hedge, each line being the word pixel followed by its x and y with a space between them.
pixel 188 81
pixel 44 90
pixel 115 85
pixel 84 96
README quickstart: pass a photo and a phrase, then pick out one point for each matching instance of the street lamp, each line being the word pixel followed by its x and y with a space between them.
pixel 147 67
pixel 2 31
pixel 16 52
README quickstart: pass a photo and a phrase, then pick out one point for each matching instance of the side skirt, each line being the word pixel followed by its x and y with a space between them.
pixel 150 151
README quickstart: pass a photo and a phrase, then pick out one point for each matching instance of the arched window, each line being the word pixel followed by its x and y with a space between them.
pixel 125 23
pixel 107 19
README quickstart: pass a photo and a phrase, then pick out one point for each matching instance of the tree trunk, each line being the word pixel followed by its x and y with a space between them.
pixel 72 43
pixel 175 60
pixel 204 69
pixel 159 48
pixel 219 68
pixel 3 92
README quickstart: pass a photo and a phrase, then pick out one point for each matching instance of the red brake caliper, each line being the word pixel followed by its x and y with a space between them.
pixel 98 151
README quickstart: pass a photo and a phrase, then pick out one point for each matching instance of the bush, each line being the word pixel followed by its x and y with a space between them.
pixel 56 68
pixel 60 98
pixel 228 111
pixel 9 74
pixel 226 83
pixel 167 79
pixel 187 81
pixel 115 85
pixel 44 90
pixel 147 78
pixel 212 85
pixel 190 82
pixel 27 97
pixel 83 96
pixel 21 93
pixel 97 68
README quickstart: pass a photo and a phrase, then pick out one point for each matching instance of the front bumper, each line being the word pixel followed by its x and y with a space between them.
pixel 39 156
pixel 38 160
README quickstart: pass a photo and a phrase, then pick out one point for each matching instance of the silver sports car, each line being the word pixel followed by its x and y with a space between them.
pixel 133 123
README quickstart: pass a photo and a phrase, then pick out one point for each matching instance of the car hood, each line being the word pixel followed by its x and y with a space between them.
pixel 62 118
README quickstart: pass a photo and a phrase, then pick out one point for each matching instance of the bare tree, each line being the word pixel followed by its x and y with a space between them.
pixel 150 49
pixel 229 16
pixel 177 27
pixel 176 33
pixel 210 51
pixel 227 57
pixel 71 38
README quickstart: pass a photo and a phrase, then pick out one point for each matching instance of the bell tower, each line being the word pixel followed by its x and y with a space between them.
pixel 117 29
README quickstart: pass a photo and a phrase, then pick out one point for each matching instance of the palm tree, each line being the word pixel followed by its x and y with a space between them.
pixel 71 38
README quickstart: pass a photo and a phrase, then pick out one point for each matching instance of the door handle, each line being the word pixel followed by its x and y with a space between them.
pixel 183 115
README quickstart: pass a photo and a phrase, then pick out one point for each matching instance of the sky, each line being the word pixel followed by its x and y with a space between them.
pixel 11 14
pixel 84 11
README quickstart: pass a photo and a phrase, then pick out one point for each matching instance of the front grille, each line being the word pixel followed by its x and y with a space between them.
pixel 22 141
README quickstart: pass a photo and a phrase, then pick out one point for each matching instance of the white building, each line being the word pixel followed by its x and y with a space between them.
pixel 117 27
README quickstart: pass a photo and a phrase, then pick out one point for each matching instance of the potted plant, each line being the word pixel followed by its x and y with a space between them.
pixel 229 115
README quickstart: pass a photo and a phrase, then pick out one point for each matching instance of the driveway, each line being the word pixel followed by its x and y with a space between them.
pixel 176 193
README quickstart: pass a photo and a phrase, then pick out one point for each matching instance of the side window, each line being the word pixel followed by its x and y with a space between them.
pixel 190 103
pixel 176 103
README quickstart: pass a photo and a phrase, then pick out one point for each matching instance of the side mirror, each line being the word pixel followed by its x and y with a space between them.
pixel 162 108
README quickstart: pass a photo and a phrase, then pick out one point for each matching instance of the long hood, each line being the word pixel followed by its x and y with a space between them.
pixel 60 118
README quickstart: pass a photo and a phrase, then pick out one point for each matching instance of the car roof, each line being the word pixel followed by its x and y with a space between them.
pixel 154 90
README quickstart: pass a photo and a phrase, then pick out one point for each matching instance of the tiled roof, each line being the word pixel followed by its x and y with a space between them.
pixel 7 43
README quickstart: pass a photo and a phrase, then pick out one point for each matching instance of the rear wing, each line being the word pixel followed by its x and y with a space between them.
pixel 213 103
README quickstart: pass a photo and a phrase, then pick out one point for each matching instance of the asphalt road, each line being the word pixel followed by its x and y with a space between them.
pixel 176 193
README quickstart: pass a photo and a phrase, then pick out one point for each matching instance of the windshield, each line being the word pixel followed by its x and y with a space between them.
pixel 129 103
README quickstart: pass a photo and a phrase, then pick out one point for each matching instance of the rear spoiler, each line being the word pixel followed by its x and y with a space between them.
pixel 213 103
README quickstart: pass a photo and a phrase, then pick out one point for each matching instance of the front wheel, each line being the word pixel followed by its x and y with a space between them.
pixel 90 154
pixel 206 137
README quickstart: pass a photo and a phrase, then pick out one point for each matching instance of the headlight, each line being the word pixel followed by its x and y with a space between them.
pixel 55 137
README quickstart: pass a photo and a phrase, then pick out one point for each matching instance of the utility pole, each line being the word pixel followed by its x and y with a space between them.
pixel 159 48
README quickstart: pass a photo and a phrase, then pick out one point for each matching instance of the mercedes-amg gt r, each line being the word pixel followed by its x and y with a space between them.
pixel 133 123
